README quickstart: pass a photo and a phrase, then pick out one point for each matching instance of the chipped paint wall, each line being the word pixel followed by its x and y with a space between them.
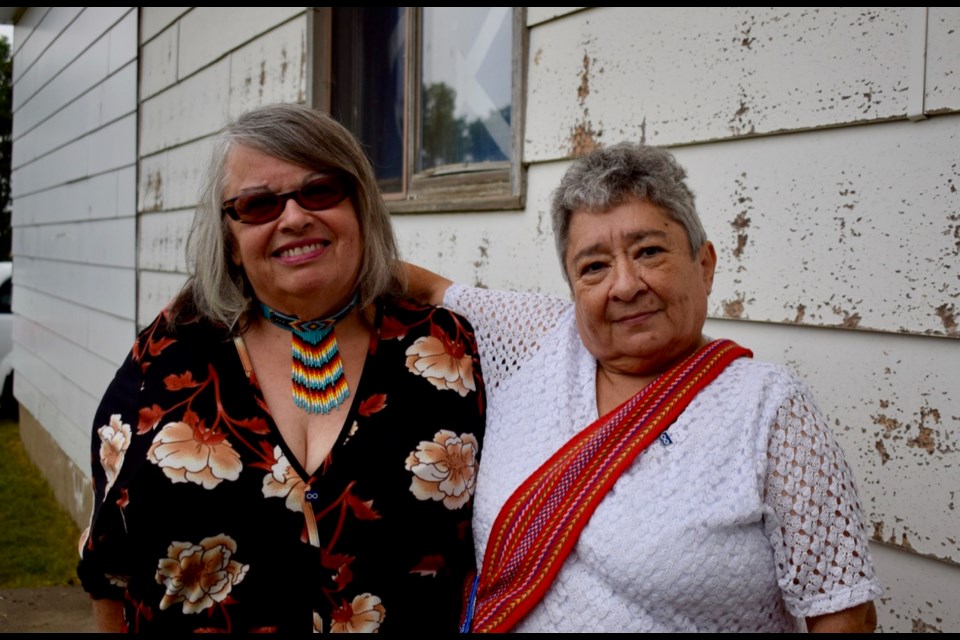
pixel 74 224
pixel 822 145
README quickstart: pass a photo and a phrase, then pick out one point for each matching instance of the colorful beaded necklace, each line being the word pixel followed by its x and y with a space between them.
pixel 317 376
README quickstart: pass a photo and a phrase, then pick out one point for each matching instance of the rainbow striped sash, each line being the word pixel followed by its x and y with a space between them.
pixel 539 525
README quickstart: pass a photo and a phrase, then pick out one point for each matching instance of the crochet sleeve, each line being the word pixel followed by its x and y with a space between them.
pixel 818 534
pixel 508 325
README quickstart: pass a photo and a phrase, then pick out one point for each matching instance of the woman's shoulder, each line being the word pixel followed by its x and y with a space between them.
pixel 411 307
pixel 164 337
pixel 761 381
pixel 402 315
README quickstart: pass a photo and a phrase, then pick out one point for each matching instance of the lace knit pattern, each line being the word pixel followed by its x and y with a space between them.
pixel 748 521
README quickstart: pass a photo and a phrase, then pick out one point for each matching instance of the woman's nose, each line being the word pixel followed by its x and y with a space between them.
pixel 294 217
pixel 627 280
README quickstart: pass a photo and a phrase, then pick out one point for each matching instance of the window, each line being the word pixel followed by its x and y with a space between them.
pixel 434 95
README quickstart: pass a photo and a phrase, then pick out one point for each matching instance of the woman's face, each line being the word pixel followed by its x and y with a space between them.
pixel 304 262
pixel 641 298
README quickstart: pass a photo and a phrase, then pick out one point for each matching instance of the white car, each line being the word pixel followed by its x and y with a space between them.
pixel 8 405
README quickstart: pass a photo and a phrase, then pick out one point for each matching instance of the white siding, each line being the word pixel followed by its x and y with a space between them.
pixel 153 20
pixel 74 212
pixel 669 76
pixel 209 33
pixel 943 86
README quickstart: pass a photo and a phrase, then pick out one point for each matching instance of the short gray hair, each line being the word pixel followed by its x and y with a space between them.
pixel 608 177
pixel 218 289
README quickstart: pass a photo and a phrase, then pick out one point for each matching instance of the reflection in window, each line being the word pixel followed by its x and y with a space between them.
pixel 432 94
pixel 465 86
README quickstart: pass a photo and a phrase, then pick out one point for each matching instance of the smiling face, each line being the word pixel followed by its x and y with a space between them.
pixel 305 262
pixel 641 298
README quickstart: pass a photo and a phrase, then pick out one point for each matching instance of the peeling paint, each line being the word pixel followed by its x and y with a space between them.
pixel 741 243
pixel 850 320
pixel 801 311
pixel 878 531
pixel 583 139
pixel 904 541
pixel 947 315
pixel 154 191
pixel 882 449
pixel 924 440
pixel 919 626
pixel 584 90
pixel 734 308
pixel 889 424
pixel 263 76
pixel 740 223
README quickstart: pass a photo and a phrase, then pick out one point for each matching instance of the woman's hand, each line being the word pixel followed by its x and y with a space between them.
pixel 108 615
pixel 425 286
pixel 859 619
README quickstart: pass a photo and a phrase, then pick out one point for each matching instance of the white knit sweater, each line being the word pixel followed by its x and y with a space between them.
pixel 748 521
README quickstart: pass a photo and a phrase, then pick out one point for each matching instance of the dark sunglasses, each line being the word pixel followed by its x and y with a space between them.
pixel 258 208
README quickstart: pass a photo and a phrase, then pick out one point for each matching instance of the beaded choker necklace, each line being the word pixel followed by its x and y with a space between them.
pixel 317 375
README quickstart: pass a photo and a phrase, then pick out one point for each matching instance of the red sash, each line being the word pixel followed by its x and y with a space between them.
pixel 539 525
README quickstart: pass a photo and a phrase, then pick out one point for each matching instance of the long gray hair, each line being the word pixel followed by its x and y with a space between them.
pixel 218 289
pixel 611 176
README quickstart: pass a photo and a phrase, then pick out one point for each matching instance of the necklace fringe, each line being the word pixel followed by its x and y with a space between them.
pixel 318 383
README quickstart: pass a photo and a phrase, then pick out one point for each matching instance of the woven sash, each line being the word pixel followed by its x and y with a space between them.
pixel 539 525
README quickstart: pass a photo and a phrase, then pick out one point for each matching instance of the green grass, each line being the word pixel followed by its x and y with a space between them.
pixel 38 540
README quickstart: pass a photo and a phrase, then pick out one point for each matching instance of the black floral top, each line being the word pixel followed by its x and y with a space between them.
pixel 204 520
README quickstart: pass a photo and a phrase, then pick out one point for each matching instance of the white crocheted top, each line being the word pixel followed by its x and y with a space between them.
pixel 748 521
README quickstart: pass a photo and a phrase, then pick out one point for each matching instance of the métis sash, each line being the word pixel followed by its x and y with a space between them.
pixel 539 525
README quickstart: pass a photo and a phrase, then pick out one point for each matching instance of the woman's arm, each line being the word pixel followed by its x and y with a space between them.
pixel 859 619
pixel 425 286
pixel 108 615
pixel 817 518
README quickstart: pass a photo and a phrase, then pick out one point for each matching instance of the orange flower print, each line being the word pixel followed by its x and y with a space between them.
pixel 443 363
pixel 283 482
pixel 445 469
pixel 194 454
pixel 364 615
pixel 199 575
pixel 114 440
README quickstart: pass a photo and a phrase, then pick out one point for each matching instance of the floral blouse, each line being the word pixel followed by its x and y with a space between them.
pixel 205 521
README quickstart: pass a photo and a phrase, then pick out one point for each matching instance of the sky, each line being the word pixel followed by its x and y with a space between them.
pixel 7 30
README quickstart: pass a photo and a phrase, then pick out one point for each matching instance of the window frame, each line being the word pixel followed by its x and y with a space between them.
pixel 451 188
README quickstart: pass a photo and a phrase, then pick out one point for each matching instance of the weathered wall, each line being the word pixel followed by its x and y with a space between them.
pixel 74 224
pixel 835 212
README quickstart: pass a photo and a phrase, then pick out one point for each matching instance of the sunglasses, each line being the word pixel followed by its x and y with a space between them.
pixel 258 208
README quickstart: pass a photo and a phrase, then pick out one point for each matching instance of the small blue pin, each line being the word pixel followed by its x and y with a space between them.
pixel 665 439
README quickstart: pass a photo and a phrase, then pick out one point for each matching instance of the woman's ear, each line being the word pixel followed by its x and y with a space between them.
pixel 708 264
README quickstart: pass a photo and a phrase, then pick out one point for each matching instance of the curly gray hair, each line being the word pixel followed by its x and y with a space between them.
pixel 611 176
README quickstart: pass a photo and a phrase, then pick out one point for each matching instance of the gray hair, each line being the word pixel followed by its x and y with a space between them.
pixel 608 177
pixel 218 289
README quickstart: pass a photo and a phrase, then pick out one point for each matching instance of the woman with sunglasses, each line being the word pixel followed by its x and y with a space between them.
pixel 292 444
